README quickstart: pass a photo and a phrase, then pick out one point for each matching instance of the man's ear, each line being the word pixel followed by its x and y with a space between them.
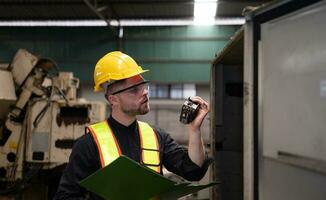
pixel 112 99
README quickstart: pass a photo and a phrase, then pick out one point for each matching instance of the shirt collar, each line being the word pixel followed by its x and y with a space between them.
pixel 117 124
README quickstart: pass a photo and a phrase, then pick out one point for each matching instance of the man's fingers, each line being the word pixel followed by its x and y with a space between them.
pixel 205 106
pixel 202 103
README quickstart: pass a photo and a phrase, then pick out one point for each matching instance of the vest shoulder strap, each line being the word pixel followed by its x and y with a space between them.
pixel 106 142
pixel 150 147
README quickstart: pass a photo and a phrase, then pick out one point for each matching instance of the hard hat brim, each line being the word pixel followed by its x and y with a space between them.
pixel 98 88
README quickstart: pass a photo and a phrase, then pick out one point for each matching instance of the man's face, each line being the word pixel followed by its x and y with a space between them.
pixel 133 101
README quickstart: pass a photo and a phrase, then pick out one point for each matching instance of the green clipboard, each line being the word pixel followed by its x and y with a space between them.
pixel 125 179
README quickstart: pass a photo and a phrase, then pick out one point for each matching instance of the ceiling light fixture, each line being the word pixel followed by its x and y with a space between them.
pixel 101 23
pixel 26 23
pixel 204 12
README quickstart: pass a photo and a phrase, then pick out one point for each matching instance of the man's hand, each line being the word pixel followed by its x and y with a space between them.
pixel 196 149
pixel 202 112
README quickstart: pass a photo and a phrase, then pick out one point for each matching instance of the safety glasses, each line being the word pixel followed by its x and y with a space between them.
pixel 134 89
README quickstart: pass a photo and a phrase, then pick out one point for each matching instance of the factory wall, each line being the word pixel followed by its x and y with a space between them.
pixel 173 54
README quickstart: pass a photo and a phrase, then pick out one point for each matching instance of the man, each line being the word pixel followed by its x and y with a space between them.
pixel 123 134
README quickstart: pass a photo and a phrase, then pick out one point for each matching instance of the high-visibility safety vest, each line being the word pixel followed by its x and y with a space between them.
pixel 109 149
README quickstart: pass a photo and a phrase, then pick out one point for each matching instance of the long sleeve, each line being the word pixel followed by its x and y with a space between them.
pixel 83 161
pixel 176 159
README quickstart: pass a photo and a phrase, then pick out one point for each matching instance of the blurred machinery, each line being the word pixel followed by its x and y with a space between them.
pixel 40 119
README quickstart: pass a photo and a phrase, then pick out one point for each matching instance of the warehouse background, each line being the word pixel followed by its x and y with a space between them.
pixel 265 81
pixel 179 60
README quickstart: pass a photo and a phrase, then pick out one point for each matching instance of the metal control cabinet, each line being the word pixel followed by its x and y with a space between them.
pixel 284 103
pixel 227 120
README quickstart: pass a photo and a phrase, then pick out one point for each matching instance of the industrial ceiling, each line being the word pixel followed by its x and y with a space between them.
pixel 114 9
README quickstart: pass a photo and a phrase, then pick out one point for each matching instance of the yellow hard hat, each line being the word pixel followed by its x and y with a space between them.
pixel 115 66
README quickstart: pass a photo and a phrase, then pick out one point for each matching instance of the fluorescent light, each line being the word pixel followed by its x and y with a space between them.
pixel 204 12
pixel 205 8
pixel 101 23
pixel 54 23
pixel 204 21
pixel 177 22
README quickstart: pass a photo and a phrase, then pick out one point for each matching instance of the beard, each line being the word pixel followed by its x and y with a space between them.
pixel 140 110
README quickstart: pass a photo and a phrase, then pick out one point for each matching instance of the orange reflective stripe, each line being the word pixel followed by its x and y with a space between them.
pixel 106 142
pixel 98 145
pixel 150 146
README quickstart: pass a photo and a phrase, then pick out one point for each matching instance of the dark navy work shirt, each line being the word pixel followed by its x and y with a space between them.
pixel 84 159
